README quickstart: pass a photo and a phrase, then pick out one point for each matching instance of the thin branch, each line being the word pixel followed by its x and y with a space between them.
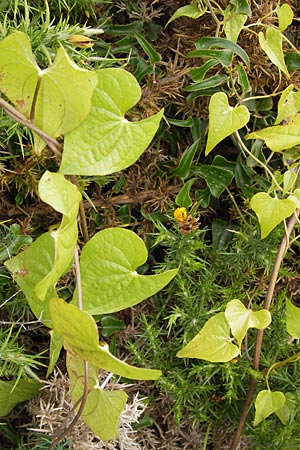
pixel 18 117
pixel 267 303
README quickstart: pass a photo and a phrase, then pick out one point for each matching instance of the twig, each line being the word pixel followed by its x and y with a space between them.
pixel 68 425
pixel 267 303
pixel 18 117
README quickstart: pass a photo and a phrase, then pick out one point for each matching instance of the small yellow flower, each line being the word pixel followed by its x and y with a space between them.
pixel 180 214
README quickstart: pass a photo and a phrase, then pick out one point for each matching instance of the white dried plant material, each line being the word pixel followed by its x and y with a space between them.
pixel 50 409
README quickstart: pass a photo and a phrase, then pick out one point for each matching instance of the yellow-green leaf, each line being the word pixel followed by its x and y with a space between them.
pixel 271 211
pixel 223 119
pixel 288 105
pixel 272 46
pixel 213 342
pixel 285 16
pixel 292 319
pixel 266 403
pixel 240 319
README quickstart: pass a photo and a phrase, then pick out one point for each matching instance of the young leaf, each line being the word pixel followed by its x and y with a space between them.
pixel 223 120
pixel 80 334
pixel 103 408
pixel 108 271
pixel 192 11
pixel 64 197
pixel 285 16
pixel 272 46
pixel 59 105
pixel 13 392
pixel 183 197
pixel 213 342
pixel 271 211
pixel 106 142
pixel 266 403
pixel 233 23
pixel 288 105
pixel 292 319
pixel 240 319
pixel 280 137
pixel 287 411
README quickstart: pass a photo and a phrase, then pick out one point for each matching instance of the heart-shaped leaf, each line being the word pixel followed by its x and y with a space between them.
pixel 280 137
pixel 59 103
pixel 266 403
pixel 223 120
pixel 213 342
pixel 287 411
pixel 29 268
pixel 272 46
pixel 80 334
pixel 271 211
pixel 285 16
pixel 106 141
pixel 103 408
pixel 240 319
pixel 108 266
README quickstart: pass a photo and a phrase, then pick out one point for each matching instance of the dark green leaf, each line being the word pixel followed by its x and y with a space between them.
pixel 198 73
pixel 203 197
pixel 223 56
pixel 183 169
pixel 110 325
pixel 215 80
pixel 242 7
pixel 180 122
pixel 153 55
pixel 213 42
pixel 243 80
pixel 292 61
pixel 216 178
pixel 183 197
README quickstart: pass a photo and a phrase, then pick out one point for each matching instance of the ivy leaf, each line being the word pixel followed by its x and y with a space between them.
pixel 266 403
pixel 272 46
pixel 288 105
pixel 280 137
pixel 271 211
pixel 223 120
pixel 292 319
pixel 103 408
pixel 80 334
pixel 64 197
pixel 240 319
pixel 57 109
pixel 106 142
pixel 14 391
pixel 192 11
pixel 108 272
pixel 285 16
pixel 213 342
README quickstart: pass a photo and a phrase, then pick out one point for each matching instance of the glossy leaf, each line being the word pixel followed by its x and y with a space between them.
pixel 213 81
pixel 271 211
pixel 193 11
pixel 217 178
pixel 103 408
pixel 213 342
pixel 266 403
pixel 223 56
pixel 108 266
pixel 240 319
pixel 292 319
pixel 280 137
pixel 184 166
pixel 285 16
pixel 64 197
pixel 57 109
pixel 223 120
pixel 106 142
pixel 208 42
pixel 14 392
pixel 272 46
pixel 288 105
pixel 80 334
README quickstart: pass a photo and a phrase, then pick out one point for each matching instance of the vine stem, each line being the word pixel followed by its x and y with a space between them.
pixel 68 425
pixel 259 338
pixel 18 117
